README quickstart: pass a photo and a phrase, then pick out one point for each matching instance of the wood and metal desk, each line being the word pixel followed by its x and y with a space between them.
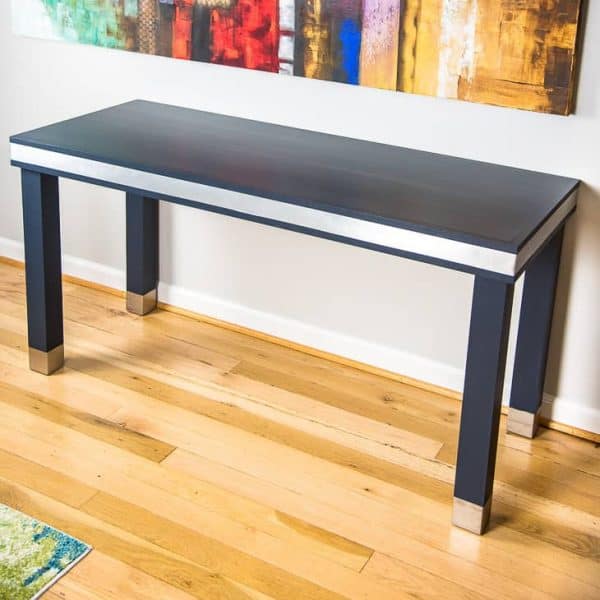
pixel 494 222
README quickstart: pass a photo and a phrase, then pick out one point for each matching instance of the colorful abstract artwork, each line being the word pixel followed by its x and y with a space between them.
pixel 33 555
pixel 516 53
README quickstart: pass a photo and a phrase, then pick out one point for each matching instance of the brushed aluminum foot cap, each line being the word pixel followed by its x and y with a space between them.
pixel 470 516
pixel 523 423
pixel 139 304
pixel 46 363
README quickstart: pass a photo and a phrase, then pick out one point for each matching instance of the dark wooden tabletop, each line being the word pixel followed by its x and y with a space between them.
pixel 479 203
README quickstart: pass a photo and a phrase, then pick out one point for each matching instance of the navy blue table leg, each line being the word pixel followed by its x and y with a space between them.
pixel 537 306
pixel 482 398
pixel 41 225
pixel 142 253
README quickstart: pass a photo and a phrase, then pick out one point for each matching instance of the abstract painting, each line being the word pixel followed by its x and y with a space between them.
pixel 515 53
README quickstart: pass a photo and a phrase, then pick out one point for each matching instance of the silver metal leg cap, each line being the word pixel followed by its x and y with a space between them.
pixel 471 517
pixel 523 423
pixel 46 363
pixel 139 304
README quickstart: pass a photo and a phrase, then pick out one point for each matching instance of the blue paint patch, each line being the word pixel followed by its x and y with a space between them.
pixel 350 41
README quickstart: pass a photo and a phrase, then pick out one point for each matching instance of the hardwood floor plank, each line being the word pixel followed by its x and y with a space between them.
pixel 157 389
pixel 150 418
pixel 311 499
pixel 240 346
pixel 262 427
pixel 331 374
pixel 418 582
pixel 194 546
pixel 318 420
pixel 563 449
pixel 575 540
pixel 554 473
pixel 305 374
pixel 108 314
pixel 65 386
pixel 105 314
pixel 228 517
pixel 372 403
pixel 330 416
pixel 108 480
pixel 147 351
pixel 67 589
pixel 123 546
pixel 303 413
pixel 86 423
pixel 203 462
pixel 44 479
pixel 387 567
pixel 189 333
pixel 125 581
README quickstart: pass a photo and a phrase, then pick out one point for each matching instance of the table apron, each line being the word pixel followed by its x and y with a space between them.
pixel 365 231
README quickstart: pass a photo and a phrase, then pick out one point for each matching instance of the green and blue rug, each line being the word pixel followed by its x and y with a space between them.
pixel 33 555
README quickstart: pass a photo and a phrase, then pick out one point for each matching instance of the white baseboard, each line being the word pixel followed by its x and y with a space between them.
pixel 564 410
pixel 72 265
pixel 11 249
pixel 560 409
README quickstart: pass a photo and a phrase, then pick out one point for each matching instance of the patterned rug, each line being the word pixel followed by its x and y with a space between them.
pixel 33 555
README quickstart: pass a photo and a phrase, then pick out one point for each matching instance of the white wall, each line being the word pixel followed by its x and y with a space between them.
pixel 404 316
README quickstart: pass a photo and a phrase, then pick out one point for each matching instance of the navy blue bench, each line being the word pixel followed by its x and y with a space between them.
pixel 492 221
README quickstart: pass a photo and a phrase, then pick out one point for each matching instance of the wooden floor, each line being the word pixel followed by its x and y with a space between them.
pixel 203 463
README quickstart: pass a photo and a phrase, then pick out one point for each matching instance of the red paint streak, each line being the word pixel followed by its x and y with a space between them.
pixel 182 29
pixel 246 35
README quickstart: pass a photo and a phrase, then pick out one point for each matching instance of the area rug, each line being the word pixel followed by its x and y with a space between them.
pixel 33 555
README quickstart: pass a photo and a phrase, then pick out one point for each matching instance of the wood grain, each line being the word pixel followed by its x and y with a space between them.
pixel 89 580
pixel 357 370
pixel 202 462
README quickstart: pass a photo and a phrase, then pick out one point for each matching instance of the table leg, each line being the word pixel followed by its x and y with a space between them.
pixel 482 398
pixel 142 253
pixel 537 306
pixel 41 226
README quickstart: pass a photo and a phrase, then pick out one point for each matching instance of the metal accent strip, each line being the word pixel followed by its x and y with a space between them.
pixel 405 240
pixel 536 241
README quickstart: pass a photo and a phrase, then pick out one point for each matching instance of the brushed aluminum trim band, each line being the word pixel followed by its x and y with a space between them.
pixel 470 255
pixel 536 241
